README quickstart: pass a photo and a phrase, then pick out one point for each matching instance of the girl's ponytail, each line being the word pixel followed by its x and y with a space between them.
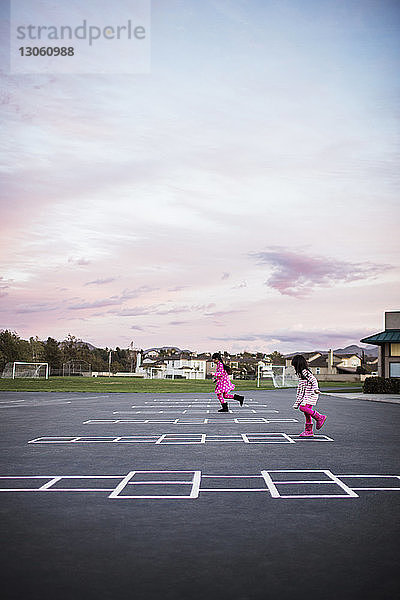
pixel 300 364
pixel 217 356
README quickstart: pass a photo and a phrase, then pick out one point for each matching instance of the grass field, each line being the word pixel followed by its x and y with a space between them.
pixel 124 384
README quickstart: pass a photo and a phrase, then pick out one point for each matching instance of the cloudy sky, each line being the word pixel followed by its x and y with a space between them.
pixel 242 195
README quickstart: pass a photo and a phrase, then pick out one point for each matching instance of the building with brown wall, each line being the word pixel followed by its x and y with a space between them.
pixel 389 345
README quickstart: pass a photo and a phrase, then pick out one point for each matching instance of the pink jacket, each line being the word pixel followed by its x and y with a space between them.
pixel 306 393
pixel 221 377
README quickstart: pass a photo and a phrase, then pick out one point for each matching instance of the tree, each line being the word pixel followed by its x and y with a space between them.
pixel 116 367
pixel 70 348
pixel 12 348
pixel 276 358
pixel 36 349
pixel 52 354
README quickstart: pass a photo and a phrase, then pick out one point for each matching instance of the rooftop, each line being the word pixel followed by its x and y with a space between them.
pixel 384 337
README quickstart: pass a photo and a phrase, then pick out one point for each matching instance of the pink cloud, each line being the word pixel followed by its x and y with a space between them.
pixel 96 303
pixel 308 339
pixel 296 274
pixel 79 261
pixel 100 281
pixel 162 309
pixel 35 307
pixel 3 286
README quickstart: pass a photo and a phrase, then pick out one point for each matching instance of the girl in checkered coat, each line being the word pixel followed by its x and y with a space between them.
pixel 224 385
pixel 307 396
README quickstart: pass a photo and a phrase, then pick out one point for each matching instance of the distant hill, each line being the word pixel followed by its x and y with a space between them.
pixel 177 350
pixel 352 349
pixel 90 346
pixel 80 343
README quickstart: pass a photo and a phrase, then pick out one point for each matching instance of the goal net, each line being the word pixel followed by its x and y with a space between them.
pixel 77 368
pixel 280 375
pixel 17 370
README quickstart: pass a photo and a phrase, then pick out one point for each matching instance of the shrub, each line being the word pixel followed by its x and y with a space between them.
pixel 381 385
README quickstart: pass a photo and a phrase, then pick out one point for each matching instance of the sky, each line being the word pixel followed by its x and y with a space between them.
pixel 242 195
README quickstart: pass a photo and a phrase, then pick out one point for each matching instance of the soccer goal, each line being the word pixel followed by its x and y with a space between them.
pixel 17 370
pixel 74 368
pixel 280 375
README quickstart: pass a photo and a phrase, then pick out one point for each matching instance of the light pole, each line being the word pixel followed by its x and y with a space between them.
pixel 109 363
pixel 132 354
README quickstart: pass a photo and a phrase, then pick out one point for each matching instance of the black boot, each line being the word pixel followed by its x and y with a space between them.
pixel 239 398
pixel 224 407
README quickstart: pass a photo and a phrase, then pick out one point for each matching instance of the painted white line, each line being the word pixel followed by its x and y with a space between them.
pixel 47 485
pixel 332 479
pixel 122 481
pixel 132 412
pixel 205 421
pixel 231 476
pixel 316 496
pixel 378 476
pixel 379 489
pixel 299 482
pixel 160 439
pixel 273 490
pixel 233 489
pixel 10 401
pixel 182 438
pixel 341 484
pixel 35 405
pixel 316 437
pixel 122 484
pixel 155 482
pixel 194 493
pixel 194 483
pixel 84 397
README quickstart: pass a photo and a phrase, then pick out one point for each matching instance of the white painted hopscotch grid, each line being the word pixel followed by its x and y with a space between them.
pixel 184 438
pixel 185 400
pixel 205 421
pixel 178 411
pixel 196 405
pixel 286 484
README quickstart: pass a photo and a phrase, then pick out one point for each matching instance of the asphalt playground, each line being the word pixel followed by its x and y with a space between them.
pixel 150 496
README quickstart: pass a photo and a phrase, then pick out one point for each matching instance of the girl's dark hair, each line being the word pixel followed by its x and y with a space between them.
pixel 217 356
pixel 300 364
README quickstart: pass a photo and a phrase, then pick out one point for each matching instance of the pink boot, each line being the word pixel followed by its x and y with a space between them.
pixel 309 412
pixel 319 420
pixel 308 431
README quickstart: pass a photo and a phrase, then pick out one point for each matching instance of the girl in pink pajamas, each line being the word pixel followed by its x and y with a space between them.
pixel 307 396
pixel 224 385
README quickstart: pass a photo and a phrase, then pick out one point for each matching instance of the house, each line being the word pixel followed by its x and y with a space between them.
pixel 184 366
pixel 388 342
pixel 307 355
pixel 372 365
pixel 152 369
pixel 242 366
pixel 348 363
pixel 319 365
pixel 151 353
pixel 330 363
pixel 173 367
